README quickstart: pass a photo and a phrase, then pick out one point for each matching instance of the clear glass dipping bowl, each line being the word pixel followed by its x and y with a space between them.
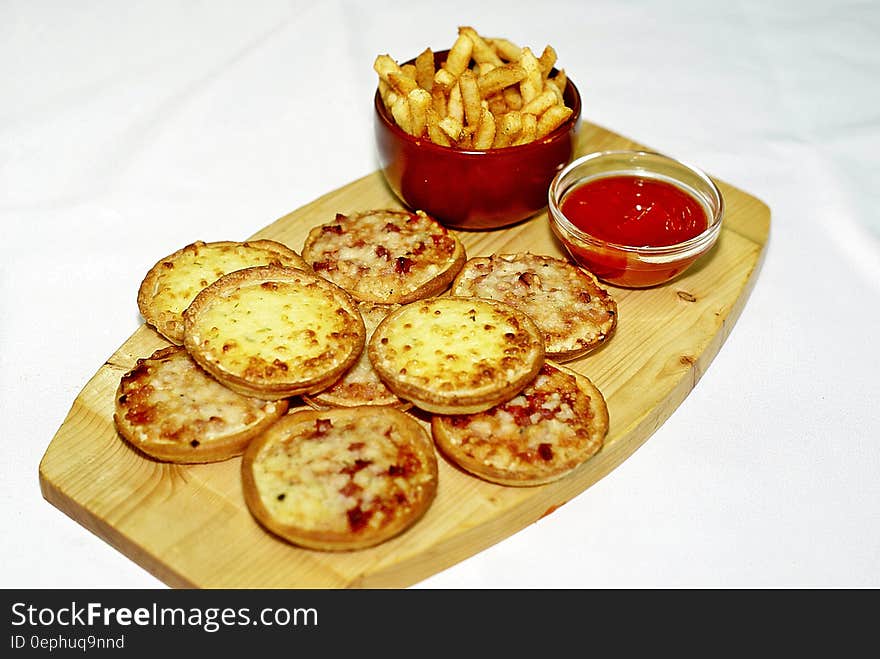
pixel 632 266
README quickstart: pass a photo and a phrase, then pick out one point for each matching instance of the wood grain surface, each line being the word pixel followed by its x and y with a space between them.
pixel 173 519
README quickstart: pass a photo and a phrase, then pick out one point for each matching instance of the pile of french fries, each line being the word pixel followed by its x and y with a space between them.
pixel 489 93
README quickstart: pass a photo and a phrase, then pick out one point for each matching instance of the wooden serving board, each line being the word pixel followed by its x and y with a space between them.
pixel 190 527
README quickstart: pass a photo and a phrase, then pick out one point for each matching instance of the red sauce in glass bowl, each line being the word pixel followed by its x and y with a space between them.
pixel 635 211
pixel 634 218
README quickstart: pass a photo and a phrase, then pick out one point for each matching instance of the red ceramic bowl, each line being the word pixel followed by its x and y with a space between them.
pixel 474 189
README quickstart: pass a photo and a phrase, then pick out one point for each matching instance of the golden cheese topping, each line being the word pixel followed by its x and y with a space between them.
pixel 451 354
pixel 360 385
pixel 553 425
pixel 274 332
pixel 344 478
pixel 172 410
pixel 171 284
pixel 574 313
pixel 386 256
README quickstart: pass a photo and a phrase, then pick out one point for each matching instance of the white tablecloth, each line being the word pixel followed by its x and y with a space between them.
pixel 130 129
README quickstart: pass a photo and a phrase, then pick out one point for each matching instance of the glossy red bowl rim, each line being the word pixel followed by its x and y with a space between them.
pixel 426 143
pixel 690 247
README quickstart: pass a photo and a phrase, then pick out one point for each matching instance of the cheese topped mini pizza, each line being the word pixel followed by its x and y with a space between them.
pixel 274 332
pixel 340 479
pixel 360 385
pixel 555 424
pixel 456 355
pixel 171 284
pixel 574 313
pixel 387 256
pixel 172 410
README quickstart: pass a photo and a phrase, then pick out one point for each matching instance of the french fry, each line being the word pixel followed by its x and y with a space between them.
pixel 559 81
pixel 401 113
pixel 452 127
pixel 547 60
pixel 529 129
pixel 481 52
pixel 470 97
pixel 532 82
pixel 507 130
pixel 388 95
pixel 485 133
pixel 505 49
pixel 455 104
pixel 459 55
pixel 498 104
pixel 402 83
pixel 419 102
pixel 554 117
pixel 438 101
pixel 512 97
pixel 385 64
pixel 435 133
pixel 499 78
pixel 425 69
pixel 551 86
pixel 443 79
pixel 540 103
pixel 466 139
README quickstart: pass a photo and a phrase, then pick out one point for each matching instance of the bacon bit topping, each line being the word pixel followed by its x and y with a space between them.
pixel 545 451
pixel 359 464
pixel 358 518
pixel 585 297
pixel 403 265
pixel 323 425
pixel 355 446
pixel 332 228
pixel 317 266
pixel 420 248
pixel 350 489
pixel 390 226
pixel 382 252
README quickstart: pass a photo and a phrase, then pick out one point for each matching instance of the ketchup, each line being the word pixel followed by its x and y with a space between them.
pixel 634 210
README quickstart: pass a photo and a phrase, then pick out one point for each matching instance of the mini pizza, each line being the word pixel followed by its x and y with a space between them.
pixel 340 479
pixel 171 284
pixel 451 355
pixel 172 410
pixel 574 313
pixel 551 427
pixel 360 385
pixel 274 332
pixel 386 256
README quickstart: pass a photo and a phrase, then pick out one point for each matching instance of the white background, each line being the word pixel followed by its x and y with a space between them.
pixel 128 129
